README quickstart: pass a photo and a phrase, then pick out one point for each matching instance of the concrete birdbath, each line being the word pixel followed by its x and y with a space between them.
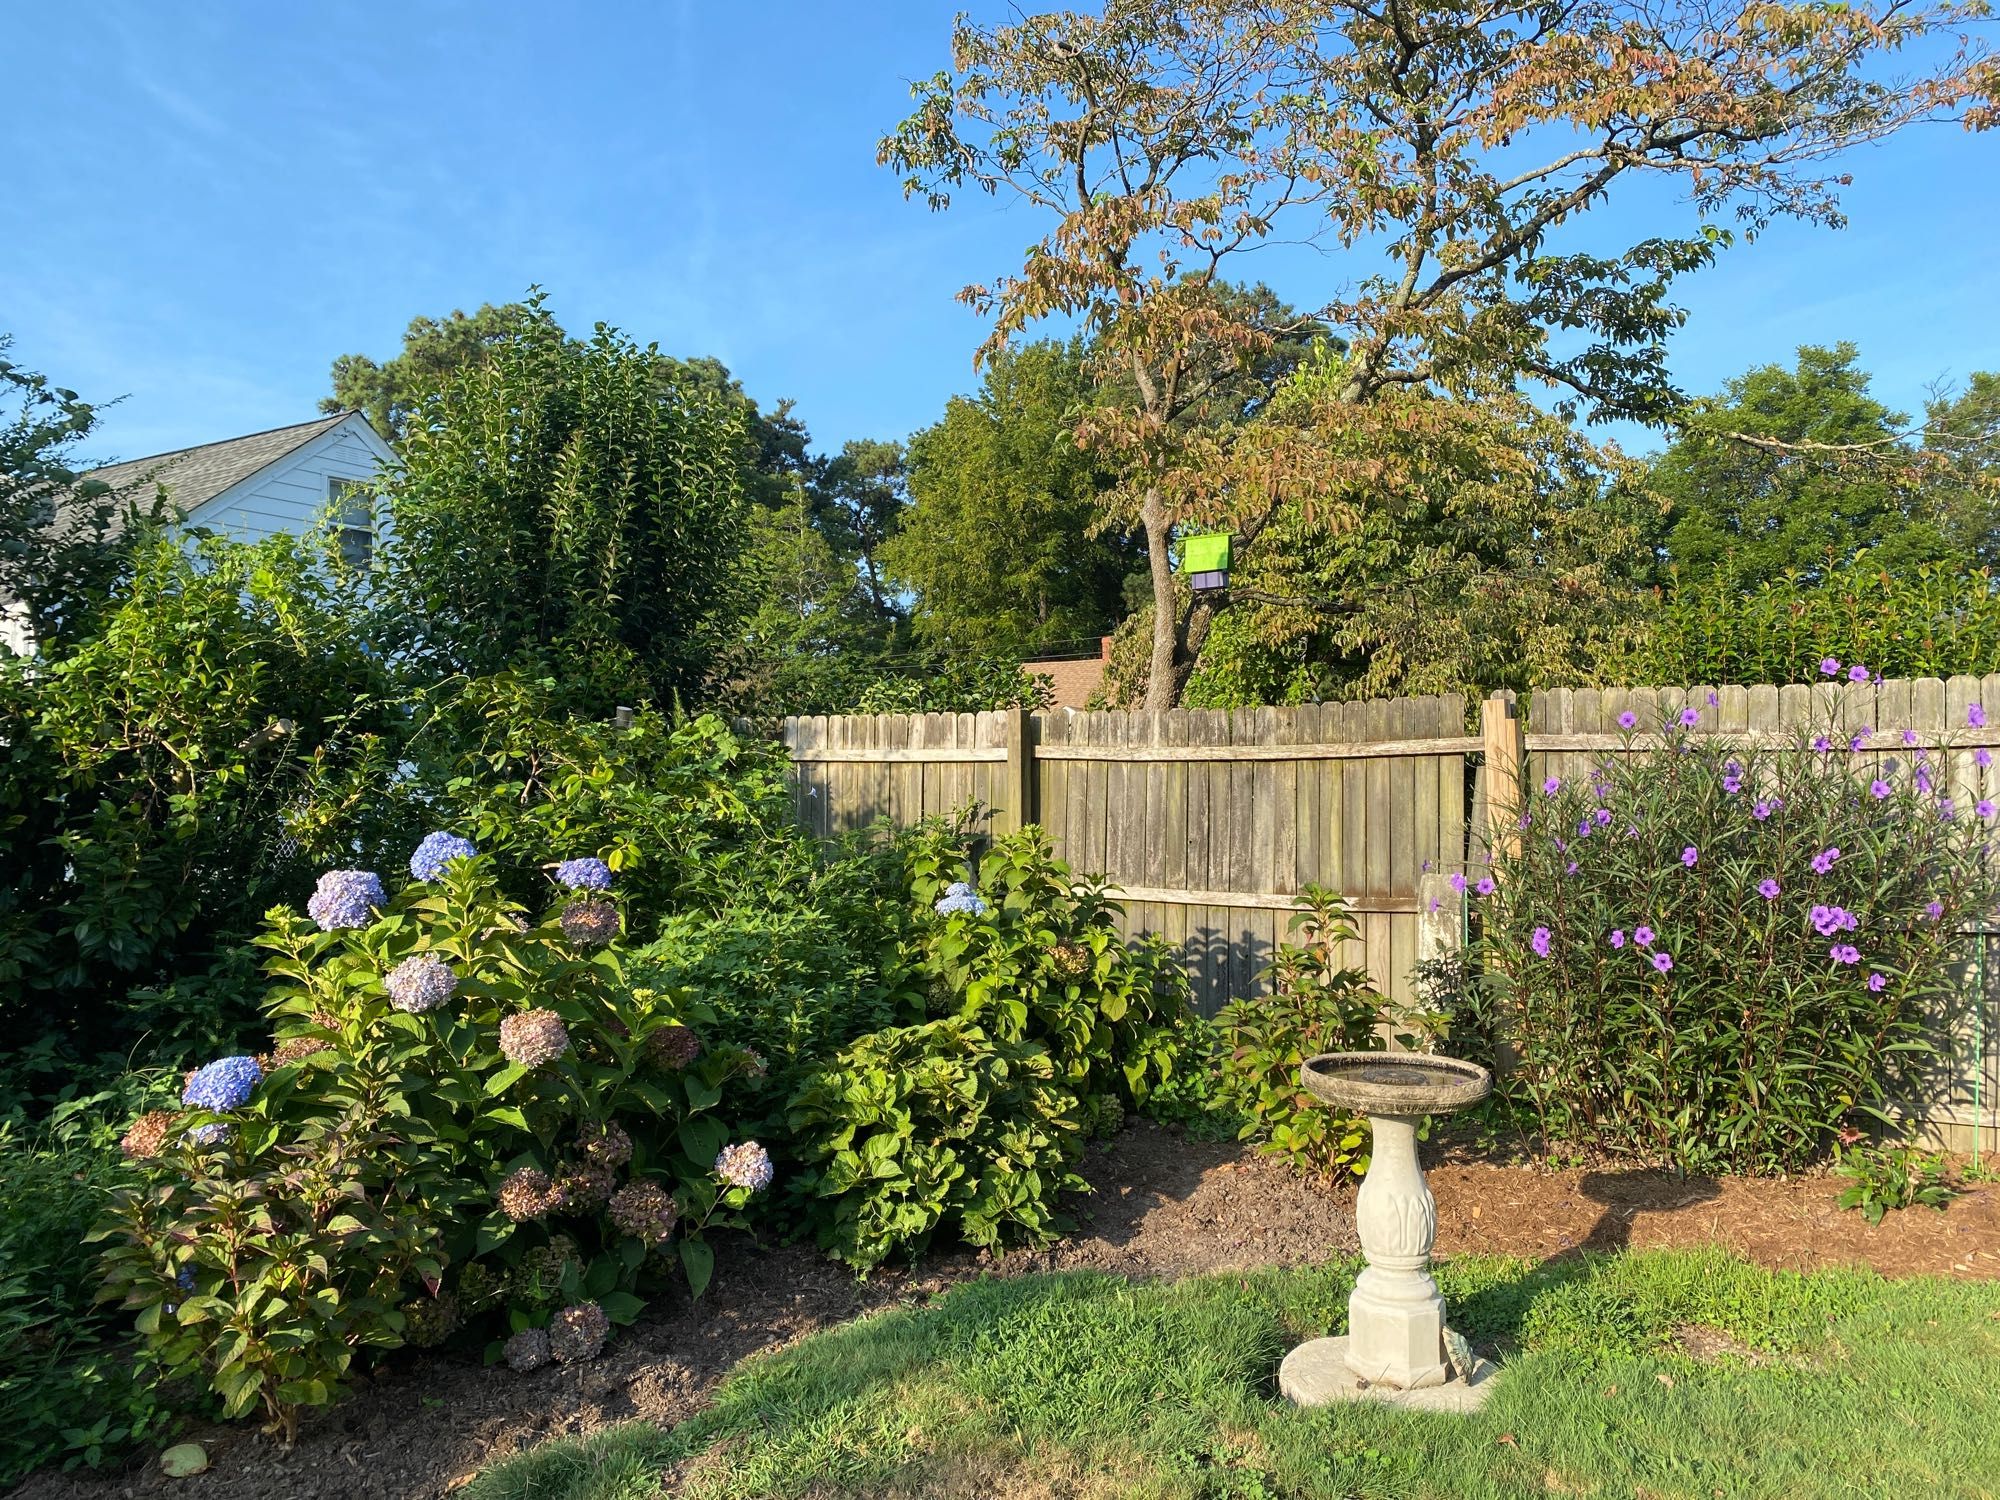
pixel 1397 1347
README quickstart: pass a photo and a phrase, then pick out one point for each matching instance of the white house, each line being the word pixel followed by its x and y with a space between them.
pixel 245 488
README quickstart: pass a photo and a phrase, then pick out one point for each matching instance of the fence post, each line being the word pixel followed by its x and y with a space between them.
pixel 1500 728
pixel 1019 787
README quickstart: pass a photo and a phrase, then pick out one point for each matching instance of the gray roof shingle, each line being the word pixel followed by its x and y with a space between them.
pixel 193 476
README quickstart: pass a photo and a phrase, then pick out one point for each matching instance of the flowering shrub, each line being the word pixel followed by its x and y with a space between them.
pixel 919 1127
pixel 1030 953
pixel 1713 954
pixel 465 1120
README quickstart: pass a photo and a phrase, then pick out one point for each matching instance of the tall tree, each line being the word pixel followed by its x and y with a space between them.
pixel 859 495
pixel 1761 482
pixel 1443 141
pixel 572 505
pixel 434 350
pixel 998 543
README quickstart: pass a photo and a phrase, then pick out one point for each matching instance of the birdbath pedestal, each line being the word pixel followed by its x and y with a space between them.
pixel 1397 1346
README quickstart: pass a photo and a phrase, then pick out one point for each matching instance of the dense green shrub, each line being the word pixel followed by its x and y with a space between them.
pixel 917 1127
pixel 1924 621
pixel 1714 954
pixel 1316 1004
pixel 463 1118
pixel 688 813
pixel 1032 953
pixel 70 1390
pixel 167 779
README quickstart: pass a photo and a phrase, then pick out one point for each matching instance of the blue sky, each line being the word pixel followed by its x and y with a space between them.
pixel 205 204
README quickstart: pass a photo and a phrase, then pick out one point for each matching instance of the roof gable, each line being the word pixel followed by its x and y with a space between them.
pixel 194 476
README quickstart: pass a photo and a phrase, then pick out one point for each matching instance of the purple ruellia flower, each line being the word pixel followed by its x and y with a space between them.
pixel 346 898
pixel 1878 789
pixel 1553 785
pixel 429 858
pixel 1829 666
pixel 1713 698
pixel 1583 829
pixel 1909 736
pixel 589 874
pixel 1689 855
pixel 1923 781
pixel 1572 868
pixel 225 1084
pixel 1663 961
pixel 1984 807
pixel 1485 886
pixel 1561 847
pixel 1827 920
pixel 1524 821
pixel 1878 982
pixel 1458 883
pixel 1601 816
pixel 1934 910
pixel 1732 784
pixel 1859 742
pixel 1947 809
pixel 1628 720
pixel 1844 953
pixel 1760 811
pixel 1690 717
pixel 1982 757
pixel 745 1164
pixel 1857 673
pixel 1824 860
pixel 1976 716
pixel 1617 938
pixel 1821 744
pixel 1768 888
pixel 1540 942
pixel 1643 936
pixel 1436 904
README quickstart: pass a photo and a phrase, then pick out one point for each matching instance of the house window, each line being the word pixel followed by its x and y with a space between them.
pixel 353 520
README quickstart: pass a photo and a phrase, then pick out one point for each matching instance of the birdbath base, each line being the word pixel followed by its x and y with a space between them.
pixel 1318 1373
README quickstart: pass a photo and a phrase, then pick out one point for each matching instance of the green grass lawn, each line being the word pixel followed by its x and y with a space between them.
pixel 1085 1385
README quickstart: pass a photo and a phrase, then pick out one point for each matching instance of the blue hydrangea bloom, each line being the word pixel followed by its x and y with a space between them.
pixel 346 898
pixel 420 984
pixel 225 1084
pixel 960 897
pixel 584 875
pixel 209 1135
pixel 437 850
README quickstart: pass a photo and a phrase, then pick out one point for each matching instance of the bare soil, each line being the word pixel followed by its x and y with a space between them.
pixel 1163 1207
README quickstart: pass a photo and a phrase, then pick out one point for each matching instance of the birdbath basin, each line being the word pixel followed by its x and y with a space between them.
pixel 1397 1347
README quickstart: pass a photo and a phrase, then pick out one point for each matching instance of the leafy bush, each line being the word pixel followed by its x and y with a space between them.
pixel 1036 956
pixel 1315 1005
pixel 167 779
pixel 70 1389
pixel 463 1117
pixel 1712 955
pixel 1881 1178
pixel 1924 621
pixel 939 1124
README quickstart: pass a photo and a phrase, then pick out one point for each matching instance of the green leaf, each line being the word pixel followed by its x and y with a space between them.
pixel 698 1260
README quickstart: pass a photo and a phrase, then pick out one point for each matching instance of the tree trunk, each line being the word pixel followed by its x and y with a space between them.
pixel 1163 686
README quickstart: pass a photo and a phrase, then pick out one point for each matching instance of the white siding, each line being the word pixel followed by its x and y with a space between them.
pixel 292 493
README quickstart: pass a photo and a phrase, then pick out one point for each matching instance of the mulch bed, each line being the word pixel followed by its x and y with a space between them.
pixel 1164 1207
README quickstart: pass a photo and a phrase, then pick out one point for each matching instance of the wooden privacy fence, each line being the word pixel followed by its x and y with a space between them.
pixel 1208 822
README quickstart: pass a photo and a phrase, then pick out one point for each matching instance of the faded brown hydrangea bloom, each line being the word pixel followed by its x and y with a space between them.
pixel 645 1211
pixel 147 1134
pixel 587 1185
pixel 606 1144
pixel 590 922
pixel 578 1333
pixel 529 1194
pixel 673 1046
pixel 533 1037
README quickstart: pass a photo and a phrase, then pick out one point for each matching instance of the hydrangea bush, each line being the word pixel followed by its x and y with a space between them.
pixel 469 1124
pixel 1713 954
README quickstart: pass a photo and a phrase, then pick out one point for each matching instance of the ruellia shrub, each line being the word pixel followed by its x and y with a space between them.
pixel 467 1123
pixel 1714 954
pixel 918 1127
pixel 1316 1004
